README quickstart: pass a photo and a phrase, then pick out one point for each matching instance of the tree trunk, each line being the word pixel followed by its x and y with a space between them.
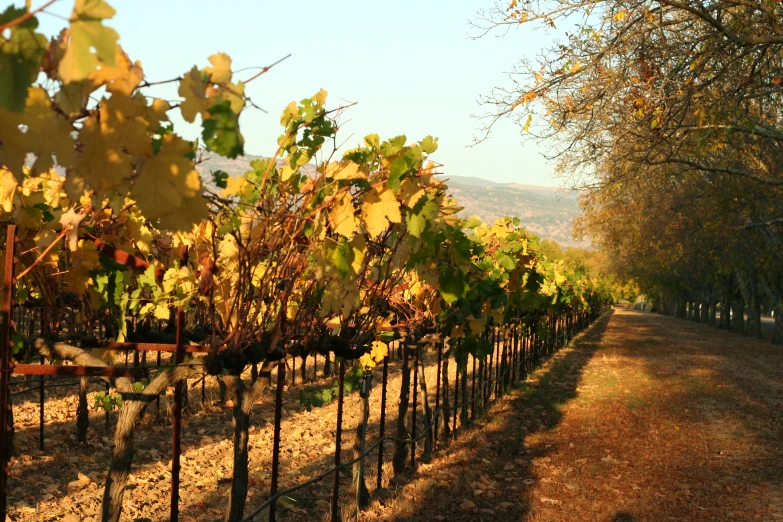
pixel 713 312
pixel 122 455
pixel 362 494
pixel 244 399
pixel 400 446
pixel 738 322
pixel 681 312
pixel 427 411
pixel 444 392
pixel 704 316
pixel 238 494
pixel 777 336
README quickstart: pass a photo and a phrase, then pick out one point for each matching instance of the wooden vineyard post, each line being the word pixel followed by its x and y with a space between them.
pixel 5 365
pixel 437 395
pixel 415 397
pixel 382 421
pixel 176 424
pixel 337 442
pixel 455 406
pixel 276 437
pixel 473 389
pixel 41 399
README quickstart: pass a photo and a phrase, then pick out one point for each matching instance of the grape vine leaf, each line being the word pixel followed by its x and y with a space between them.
pixel 220 72
pixel 194 90
pixel 221 131
pixel 20 59
pixel 47 133
pixel 102 164
pixel 87 33
pixel 342 217
pixel 168 186
pixel 379 209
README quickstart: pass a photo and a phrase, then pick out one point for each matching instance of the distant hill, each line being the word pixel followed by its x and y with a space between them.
pixel 546 211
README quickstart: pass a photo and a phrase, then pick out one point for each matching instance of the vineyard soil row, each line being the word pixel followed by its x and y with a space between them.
pixel 646 419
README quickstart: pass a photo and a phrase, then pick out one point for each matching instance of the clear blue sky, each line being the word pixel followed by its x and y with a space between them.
pixel 409 64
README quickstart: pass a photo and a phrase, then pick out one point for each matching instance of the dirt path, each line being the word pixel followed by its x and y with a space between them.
pixel 646 418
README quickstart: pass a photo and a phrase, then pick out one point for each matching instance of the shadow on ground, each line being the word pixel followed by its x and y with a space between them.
pixel 493 459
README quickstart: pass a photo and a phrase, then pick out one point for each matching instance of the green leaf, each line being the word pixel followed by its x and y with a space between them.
pixel 220 178
pixel 88 33
pixel 429 144
pixel 342 256
pixel 20 59
pixel 397 168
pixel 452 285
pixel 416 223
pixel 148 277
pixel 221 131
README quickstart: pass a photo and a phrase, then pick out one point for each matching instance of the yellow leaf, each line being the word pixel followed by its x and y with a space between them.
pixel 236 186
pixel 154 113
pixel 619 16
pixel 344 171
pixel 87 34
pixel 366 361
pixel 47 133
pixel 101 165
pixel 169 186
pixel 72 98
pixel 122 78
pixel 410 193
pixel 379 209
pixel 320 97
pixel 220 72
pixel 8 186
pixel 123 123
pixel 53 188
pixel 194 91
pixel 457 331
pixel 341 216
pixel 379 350
pixel 13 151
pixel 83 260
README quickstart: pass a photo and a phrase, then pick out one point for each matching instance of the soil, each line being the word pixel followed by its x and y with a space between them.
pixel 641 418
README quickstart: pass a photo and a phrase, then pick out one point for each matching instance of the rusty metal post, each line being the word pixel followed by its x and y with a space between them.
pixel 276 437
pixel 456 398
pixel 5 365
pixel 41 399
pixel 415 400
pixel 473 389
pixel 337 442
pixel 437 395
pixel 498 349
pixel 176 424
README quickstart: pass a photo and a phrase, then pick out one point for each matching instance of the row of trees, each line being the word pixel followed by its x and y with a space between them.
pixel 304 253
pixel 669 115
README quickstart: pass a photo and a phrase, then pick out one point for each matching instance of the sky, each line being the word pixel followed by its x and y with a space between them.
pixel 411 66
